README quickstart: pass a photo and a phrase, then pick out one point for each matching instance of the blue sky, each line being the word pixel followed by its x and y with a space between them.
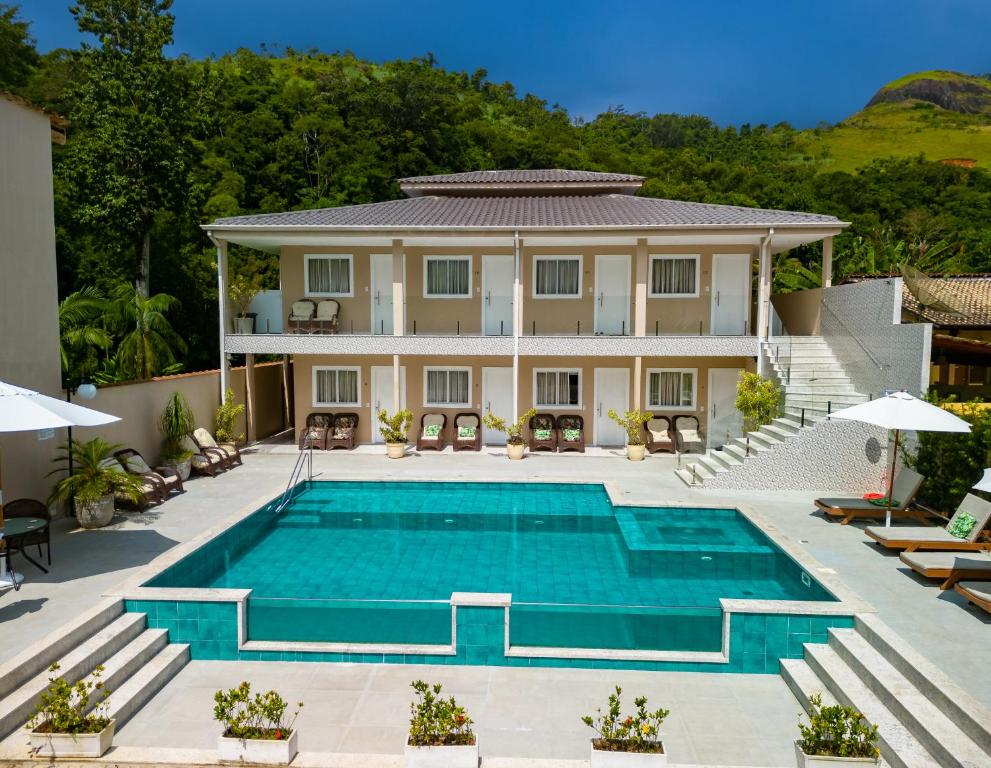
pixel 736 61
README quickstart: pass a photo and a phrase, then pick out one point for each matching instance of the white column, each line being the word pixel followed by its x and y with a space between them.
pixel 222 314
pixel 763 297
pixel 517 323
pixel 250 428
pixel 396 384
pixel 398 290
pixel 827 262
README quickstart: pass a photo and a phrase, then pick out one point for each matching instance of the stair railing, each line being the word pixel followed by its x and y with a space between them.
pixel 305 459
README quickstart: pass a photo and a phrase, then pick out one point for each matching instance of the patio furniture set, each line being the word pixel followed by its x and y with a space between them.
pixel 307 316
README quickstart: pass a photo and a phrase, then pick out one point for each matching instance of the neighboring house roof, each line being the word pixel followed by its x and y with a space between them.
pixel 546 181
pixel 57 122
pixel 609 211
pixel 971 293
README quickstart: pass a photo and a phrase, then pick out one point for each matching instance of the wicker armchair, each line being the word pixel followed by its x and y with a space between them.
pixel 659 435
pixel 325 320
pixel 468 442
pixel 31 508
pixel 543 421
pixel 300 318
pixel 688 434
pixel 317 427
pixel 435 443
pixel 569 423
pixel 343 432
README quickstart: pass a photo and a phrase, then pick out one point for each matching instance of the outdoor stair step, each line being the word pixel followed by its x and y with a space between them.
pixel 755 446
pixel 714 466
pixel 686 476
pixel 77 663
pixel 899 747
pixel 763 438
pixel 147 681
pixel 39 657
pixel 938 733
pixel 785 423
pixel 777 432
pixel 132 657
pixel 972 717
pixel 735 450
pixel 727 458
pixel 819 389
pixel 804 683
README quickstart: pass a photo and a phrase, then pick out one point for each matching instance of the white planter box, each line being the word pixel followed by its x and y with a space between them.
pixel 72 744
pixel 604 759
pixel 822 761
pixel 268 751
pixel 442 757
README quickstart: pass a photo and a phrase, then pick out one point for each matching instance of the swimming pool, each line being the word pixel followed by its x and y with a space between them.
pixel 557 570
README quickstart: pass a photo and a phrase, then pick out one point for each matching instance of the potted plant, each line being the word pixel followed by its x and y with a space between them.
pixel 242 292
pixel 440 734
pixel 69 720
pixel 631 741
pixel 836 735
pixel 632 422
pixel 515 444
pixel 394 429
pixel 225 421
pixel 175 423
pixel 96 479
pixel 255 727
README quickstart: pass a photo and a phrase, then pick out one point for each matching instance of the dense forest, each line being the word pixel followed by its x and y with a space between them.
pixel 158 145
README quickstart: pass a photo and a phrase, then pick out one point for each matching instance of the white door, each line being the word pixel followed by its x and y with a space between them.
pixel 730 293
pixel 383 395
pixel 497 396
pixel 725 421
pixel 381 288
pixel 612 390
pixel 612 295
pixel 497 299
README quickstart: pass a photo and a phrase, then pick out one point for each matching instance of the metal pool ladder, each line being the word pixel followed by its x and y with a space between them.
pixel 305 458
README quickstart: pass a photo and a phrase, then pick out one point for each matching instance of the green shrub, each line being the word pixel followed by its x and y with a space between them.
pixel 66 707
pixel 395 428
pixel 952 462
pixel 437 722
pixel 260 717
pixel 632 422
pixel 226 419
pixel 634 733
pixel 514 431
pixel 837 731
pixel 95 474
pixel 757 399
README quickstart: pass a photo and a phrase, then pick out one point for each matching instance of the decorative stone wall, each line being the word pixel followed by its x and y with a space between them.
pixel 861 323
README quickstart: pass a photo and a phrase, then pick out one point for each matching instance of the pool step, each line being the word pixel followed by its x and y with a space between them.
pixel 923 718
pixel 147 681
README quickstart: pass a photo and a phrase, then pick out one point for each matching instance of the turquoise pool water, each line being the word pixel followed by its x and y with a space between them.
pixel 377 562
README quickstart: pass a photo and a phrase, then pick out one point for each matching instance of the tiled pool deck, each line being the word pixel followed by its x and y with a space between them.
pixel 365 705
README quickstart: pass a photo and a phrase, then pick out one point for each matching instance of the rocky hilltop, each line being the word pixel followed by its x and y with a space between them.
pixel 952 91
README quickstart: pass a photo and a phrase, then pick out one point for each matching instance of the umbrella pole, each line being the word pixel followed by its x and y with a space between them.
pixel 7 578
pixel 891 482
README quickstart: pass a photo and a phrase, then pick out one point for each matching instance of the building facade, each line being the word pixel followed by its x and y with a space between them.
pixel 505 290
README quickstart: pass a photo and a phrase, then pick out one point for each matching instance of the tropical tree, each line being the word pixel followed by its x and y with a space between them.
pixel 82 335
pixel 148 344
pixel 18 57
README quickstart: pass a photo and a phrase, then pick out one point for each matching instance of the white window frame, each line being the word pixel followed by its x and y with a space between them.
pixel 316 371
pixel 558 407
pixel 307 258
pixel 448 404
pixel 683 408
pixel 672 257
pixel 556 257
pixel 453 257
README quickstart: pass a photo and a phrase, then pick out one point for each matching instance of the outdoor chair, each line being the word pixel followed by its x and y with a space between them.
pixel 543 436
pixel 343 432
pixel 911 538
pixel 467 432
pixel 150 492
pixel 317 427
pixel 904 489
pixel 230 451
pixel 325 320
pixel 976 592
pixel 432 427
pixel 659 439
pixel 949 566
pixel 301 316
pixel 688 435
pixel 166 478
pixel 571 433
pixel 205 461
pixel 31 508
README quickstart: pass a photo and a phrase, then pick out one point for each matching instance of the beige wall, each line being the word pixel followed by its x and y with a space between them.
pixel 29 355
pixel 799 311
pixel 355 312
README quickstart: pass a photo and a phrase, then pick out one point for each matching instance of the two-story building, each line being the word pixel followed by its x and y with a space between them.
pixel 502 290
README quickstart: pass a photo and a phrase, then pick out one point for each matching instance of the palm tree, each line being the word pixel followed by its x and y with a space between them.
pixel 81 334
pixel 148 343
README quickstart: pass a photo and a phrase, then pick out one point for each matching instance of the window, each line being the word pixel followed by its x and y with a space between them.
pixel 447 277
pixel 671 388
pixel 977 375
pixel 557 389
pixel 328 275
pixel 336 386
pixel 447 386
pixel 557 277
pixel 674 275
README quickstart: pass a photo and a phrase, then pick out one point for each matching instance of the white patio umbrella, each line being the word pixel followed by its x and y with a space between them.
pixel 24 410
pixel 984 484
pixel 901 411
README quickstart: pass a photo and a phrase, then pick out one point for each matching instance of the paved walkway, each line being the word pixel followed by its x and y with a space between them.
pixel 730 719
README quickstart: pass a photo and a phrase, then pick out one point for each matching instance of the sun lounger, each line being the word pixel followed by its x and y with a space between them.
pixel 976 592
pixel 905 487
pixel 911 538
pixel 205 461
pixel 166 478
pixel 151 491
pixel 431 431
pixel 230 452
pixel 659 439
pixel 949 566
pixel 467 432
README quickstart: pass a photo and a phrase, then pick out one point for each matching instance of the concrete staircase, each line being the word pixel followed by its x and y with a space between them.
pixel 924 719
pixel 136 661
pixel 813 383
